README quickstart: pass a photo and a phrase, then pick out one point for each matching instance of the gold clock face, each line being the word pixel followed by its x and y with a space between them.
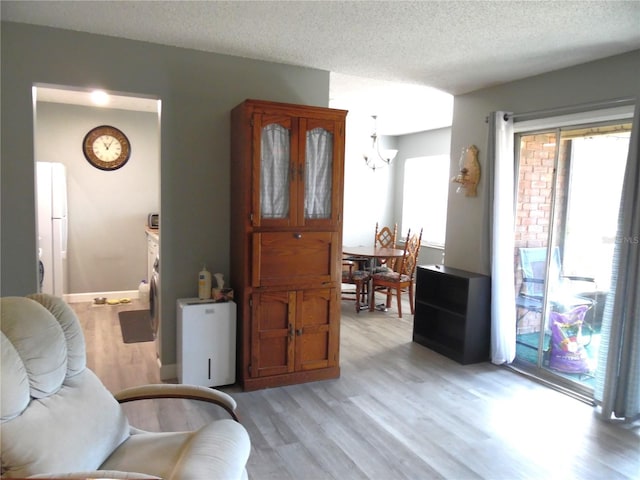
pixel 106 147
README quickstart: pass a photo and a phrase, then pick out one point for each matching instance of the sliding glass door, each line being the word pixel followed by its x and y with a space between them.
pixel 568 194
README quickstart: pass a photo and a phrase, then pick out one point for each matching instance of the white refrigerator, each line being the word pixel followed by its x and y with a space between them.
pixel 51 180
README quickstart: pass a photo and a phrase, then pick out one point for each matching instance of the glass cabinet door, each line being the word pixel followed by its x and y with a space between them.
pixel 320 175
pixel 294 168
pixel 317 178
pixel 274 171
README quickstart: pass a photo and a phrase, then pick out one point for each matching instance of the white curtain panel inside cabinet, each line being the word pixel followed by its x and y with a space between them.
pixel 274 172
pixel 318 177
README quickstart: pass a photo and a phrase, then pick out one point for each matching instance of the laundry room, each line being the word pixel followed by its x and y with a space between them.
pixel 109 194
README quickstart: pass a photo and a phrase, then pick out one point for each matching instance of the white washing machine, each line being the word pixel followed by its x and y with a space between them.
pixel 206 342
pixel 154 303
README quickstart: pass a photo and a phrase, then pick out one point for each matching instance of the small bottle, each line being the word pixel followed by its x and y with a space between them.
pixel 204 284
pixel 143 291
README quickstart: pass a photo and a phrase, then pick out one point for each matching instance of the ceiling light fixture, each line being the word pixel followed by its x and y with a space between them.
pixel 100 97
pixel 376 157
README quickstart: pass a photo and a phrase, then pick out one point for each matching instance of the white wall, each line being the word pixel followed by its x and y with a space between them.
pixel 107 209
pixel 368 195
pixel 421 144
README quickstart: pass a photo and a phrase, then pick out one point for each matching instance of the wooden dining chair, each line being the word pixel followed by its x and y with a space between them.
pixel 386 238
pixel 394 282
pixel 360 278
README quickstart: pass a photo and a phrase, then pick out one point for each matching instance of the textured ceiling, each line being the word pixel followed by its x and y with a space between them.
pixel 454 46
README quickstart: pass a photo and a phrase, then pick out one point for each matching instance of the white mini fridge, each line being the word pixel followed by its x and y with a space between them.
pixel 206 342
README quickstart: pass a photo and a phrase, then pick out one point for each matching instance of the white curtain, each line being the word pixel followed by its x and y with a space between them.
pixel 617 388
pixel 318 173
pixel 274 172
pixel 500 242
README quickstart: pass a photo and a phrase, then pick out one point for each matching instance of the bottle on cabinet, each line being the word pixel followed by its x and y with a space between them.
pixel 204 284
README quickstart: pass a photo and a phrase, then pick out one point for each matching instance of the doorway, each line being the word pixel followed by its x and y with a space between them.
pixel 569 184
pixel 107 209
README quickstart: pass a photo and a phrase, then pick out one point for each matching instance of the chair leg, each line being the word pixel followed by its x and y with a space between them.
pixel 358 293
pixel 411 305
pixel 372 298
pixel 365 292
pixel 398 296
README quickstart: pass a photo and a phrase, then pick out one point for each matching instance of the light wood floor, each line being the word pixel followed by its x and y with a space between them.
pixel 398 411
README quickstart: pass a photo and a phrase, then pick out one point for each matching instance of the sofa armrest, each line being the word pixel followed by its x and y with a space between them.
pixel 190 392
pixel 106 474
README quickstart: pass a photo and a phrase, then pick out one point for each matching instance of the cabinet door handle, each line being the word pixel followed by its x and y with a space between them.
pixel 299 332
pixel 297 235
pixel 209 369
pixel 290 331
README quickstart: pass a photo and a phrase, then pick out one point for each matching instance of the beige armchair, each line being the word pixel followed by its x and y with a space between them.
pixel 58 420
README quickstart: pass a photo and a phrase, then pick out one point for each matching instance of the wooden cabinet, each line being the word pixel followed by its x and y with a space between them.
pixel 452 314
pixel 293 331
pixel 287 170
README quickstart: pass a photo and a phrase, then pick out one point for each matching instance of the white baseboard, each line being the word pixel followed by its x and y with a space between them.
pixel 169 371
pixel 89 296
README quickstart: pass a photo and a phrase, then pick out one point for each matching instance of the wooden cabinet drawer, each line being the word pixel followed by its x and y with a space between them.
pixel 294 258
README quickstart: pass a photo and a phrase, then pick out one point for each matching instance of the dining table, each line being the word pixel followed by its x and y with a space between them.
pixel 371 253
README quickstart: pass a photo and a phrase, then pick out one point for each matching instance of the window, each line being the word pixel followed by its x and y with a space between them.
pixel 425 195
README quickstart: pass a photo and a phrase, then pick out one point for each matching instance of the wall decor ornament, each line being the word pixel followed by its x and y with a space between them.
pixel 106 147
pixel 469 175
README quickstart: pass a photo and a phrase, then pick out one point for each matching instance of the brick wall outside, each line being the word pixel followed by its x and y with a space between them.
pixel 533 212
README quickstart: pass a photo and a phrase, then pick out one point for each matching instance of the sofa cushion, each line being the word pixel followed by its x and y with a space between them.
pixel 66 317
pixel 39 340
pixel 14 383
pixel 154 453
pixel 219 450
pixel 74 430
pixel 54 420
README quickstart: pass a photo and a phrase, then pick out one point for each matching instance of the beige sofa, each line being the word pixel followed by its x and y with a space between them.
pixel 58 420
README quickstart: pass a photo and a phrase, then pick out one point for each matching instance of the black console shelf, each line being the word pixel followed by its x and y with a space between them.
pixel 452 314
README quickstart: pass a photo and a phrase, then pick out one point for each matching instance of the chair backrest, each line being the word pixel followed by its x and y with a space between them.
pixel 533 262
pixel 385 237
pixel 56 415
pixel 411 251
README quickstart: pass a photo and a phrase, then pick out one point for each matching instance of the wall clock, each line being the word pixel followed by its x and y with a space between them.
pixel 106 147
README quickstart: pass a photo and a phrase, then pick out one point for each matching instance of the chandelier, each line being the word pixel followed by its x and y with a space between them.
pixel 378 157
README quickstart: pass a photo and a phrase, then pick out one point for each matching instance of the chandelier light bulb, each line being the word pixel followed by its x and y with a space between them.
pixel 377 157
